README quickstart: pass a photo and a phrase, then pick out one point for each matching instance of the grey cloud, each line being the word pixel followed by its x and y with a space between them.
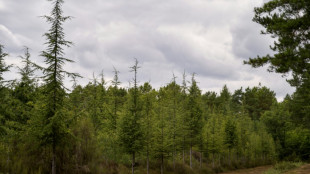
pixel 8 39
pixel 207 37
pixel 247 40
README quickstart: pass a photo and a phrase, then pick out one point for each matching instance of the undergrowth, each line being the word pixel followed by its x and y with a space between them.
pixel 283 166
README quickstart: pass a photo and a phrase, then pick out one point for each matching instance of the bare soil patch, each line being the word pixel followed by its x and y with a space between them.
pixel 256 170
pixel 304 169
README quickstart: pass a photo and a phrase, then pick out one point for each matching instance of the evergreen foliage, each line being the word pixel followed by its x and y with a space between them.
pixel 52 124
pixel 288 23
pixel 131 132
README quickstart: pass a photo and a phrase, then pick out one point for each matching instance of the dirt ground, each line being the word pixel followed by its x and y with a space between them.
pixel 256 170
pixel 305 169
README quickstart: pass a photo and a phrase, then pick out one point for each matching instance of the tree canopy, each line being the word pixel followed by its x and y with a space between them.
pixel 288 22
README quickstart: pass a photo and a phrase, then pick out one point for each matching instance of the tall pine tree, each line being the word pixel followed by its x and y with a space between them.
pixel 130 130
pixel 3 68
pixel 54 123
pixel 195 115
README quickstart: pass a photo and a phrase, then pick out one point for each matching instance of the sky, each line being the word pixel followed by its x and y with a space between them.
pixel 210 38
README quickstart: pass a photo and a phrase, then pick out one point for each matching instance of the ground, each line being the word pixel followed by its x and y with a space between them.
pixel 256 170
pixel 305 169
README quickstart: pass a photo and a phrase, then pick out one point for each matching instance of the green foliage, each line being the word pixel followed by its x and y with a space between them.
pixel 161 139
pixel 3 67
pixel 288 22
pixel 257 100
pixel 159 125
pixel 299 105
pixel 130 133
pixel 225 100
pixel 283 167
pixel 194 119
pixel 230 134
pixel 50 126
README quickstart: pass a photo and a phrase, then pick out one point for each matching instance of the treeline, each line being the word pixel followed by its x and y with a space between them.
pixel 105 128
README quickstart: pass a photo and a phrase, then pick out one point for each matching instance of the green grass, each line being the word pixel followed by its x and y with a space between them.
pixel 283 166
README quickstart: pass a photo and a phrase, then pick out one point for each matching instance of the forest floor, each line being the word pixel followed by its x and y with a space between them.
pixel 304 169
pixel 255 170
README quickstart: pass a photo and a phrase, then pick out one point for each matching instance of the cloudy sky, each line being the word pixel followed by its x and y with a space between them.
pixel 208 37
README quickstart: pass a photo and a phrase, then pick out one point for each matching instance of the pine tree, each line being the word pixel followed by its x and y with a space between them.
pixel 131 132
pixel 257 100
pixel 184 115
pixel 115 99
pixel 162 141
pixel 54 89
pixel 236 101
pixel 174 119
pixel 213 138
pixel 195 115
pixel 95 102
pixel 288 23
pixel 230 136
pixel 4 113
pixel 225 100
pixel 26 87
pixel 3 67
pixel 148 100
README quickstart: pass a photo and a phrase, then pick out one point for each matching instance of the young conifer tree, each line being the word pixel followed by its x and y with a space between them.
pixel 148 101
pixel 174 107
pixel 230 138
pixel 115 100
pixel 195 115
pixel 24 90
pixel 183 116
pixel 25 87
pixel 3 66
pixel 54 126
pixel 130 129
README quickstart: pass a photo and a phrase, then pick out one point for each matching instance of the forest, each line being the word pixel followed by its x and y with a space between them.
pixel 107 127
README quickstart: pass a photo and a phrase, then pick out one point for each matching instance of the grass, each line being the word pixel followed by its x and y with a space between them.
pixel 283 166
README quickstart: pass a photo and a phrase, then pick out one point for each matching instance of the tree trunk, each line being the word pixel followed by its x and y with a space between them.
pixel 173 160
pixel 229 156
pixel 200 159
pixel 54 160
pixel 133 163
pixel 190 157
pixel 183 156
pixel 8 162
pixel 213 160
pixel 162 164
pixel 237 156
pixel 147 160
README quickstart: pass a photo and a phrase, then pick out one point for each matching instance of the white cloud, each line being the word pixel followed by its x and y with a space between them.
pixel 8 38
pixel 2 7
